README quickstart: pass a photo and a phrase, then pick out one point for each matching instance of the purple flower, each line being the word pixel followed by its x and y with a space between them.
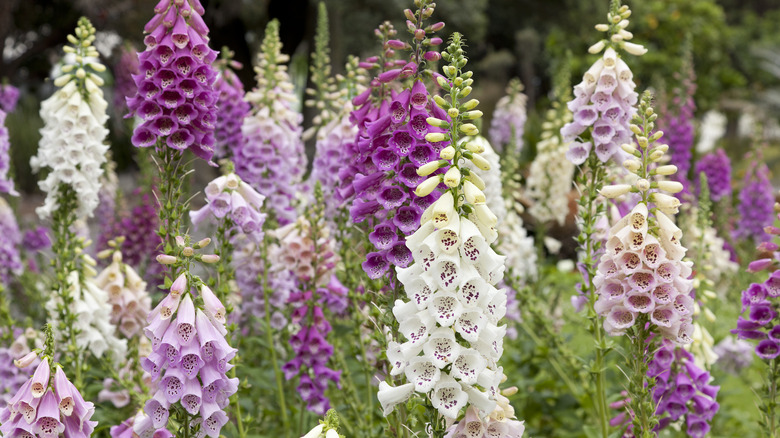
pixel 230 198
pixel 6 183
pixel 508 123
pixel 717 167
pixel 756 200
pixel 124 86
pixel 232 110
pixel 176 69
pixel 677 123
pixel 9 95
pixel 10 261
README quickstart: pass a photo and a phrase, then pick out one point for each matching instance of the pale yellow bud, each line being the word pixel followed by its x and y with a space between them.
pixel 166 259
pixel 426 187
pixel 447 153
pixel 602 27
pixel 656 155
pixel 471 104
pixel 477 180
pixel 632 165
pixel 480 162
pixel 465 91
pixel 210 258
pixel 613 191
pixel 596 48
pixel 469 129
pixel 435 137
pixel 452 177
pixel 473 194
pixel 634 49
pixel 475 146
pixel 453 112
pixel 670 186
pixel 665 203
pixel 428 168
pixel 433 121
pixel 669 169
pixel 642 185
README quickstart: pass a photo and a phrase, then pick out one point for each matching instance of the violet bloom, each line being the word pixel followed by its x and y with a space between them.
pixel 176 100
pixel 139 227
pixel 6 183
pixel 717 166
pixel 677 125
pixel 11 376
pixel 333 141
pixel 190 358
pixel 126 67
pixel 755 204
pixel 10 261
pixel 682 389
pixel 508 123
pixel 229 198
pixel 47 406
pixel 272 158
pixel 9 96
pixel 232 110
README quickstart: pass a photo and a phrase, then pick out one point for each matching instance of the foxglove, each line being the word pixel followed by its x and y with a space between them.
pixel 13 377
pixel 9 96
pixel 230 198
pixel 176 100
pixel 6 183
pixel 717 166
pixel 677 121
pixel 755 203
pixel 450 321
pixel 232 110
pixel 272 158
pixel 494 198
pixel 72 138
pixel 508 123
pixel 127 295
pixel 10 261
pixel 47 406
pixel 124 85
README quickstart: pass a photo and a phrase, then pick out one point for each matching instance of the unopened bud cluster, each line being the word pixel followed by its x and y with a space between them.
pixel 617 35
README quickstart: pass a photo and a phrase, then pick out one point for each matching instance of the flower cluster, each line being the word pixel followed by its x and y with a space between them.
pixel 391 145
pixel 13 377
pixel 125 68
pixel 9 96
pixel 508 123
pixel 677 122
pixel 682 390
pixel 127 295
pixel 36 239
pixel 190 358
pixel 47 406
pixel 138 227
pixel 755 203
pixel 499 423
pixel 6 183
pixel 139 426
pixel 309 257
pixel 333 140
pixel 605 98
pixel 518 246
pixel 550 176
pixel 230 198
pixel 232 110
pixel 717 166
pixel 272 158
pixel 450 321
pixel 71 144
pixel 176 100
pixel 734 355
pixel 642 272
pixel 10 261
pixel 93 313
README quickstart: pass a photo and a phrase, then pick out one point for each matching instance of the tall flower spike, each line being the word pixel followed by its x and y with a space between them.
pixel 6 183
pixel 272 159
pixel 232 107
pixel 9 96
pixel 10 261
pixel 176 99
pixel 604 101
pixel 72 137
pixel 453 340
pixel 755 202
pixel 508 123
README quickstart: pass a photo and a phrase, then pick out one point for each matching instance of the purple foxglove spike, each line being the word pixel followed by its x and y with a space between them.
pixel 389 75
pixel 62 389
pixel 384 236
pixel 40 380
pixel 375 265
pixel 240 209
pixel 399 107
pixel 153 39
pixel 291 368
pixel 179 34
pixel 685 389
pixel 185 319
pixel 213 307
pixel 213 423
pixel 762 314
pixel 48 424
pixel 168 306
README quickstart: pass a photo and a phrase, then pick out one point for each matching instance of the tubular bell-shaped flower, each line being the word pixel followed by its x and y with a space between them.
pixel 72 137
pixel 229 197
pixel 453 340
pixel 176 99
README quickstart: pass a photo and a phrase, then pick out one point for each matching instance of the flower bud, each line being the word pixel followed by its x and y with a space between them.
pixel 203 243
pixel 27 360
pixel 665 203
pixel 447 153
pixel 475 146
pixel 179 285
pixel 656 155
pixel 670 186
pixel 435 137
pixel 473 194
pixel 477 180
pixel 632 165
pixel 642 185
pixel 453 112
pixel 210 258
pixel 426 187
pixel 613 191
pixel 166 259
pixel 634 49
pixel 596 48
pixel 188 251
pixel 485 216
pixel 179 241
pixel 602 27
pixel 465 91
pixel 480 162
pixel 669 169
pixel 452 177
pixel 471 104
pixel 428 168
pixel 433 121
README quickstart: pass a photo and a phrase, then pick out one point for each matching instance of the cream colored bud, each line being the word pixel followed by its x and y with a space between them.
pixel 602 27
pixel 435 137
pixel 632 165
pixel 625 34
pixel 62 80
pixel 635 129
pixel 439 101
pixel 642 185
pixel 105 253
pixel 656 155
pixel 453 112
pixel 485 216
pixel 669 169
pixel 433 121
pixel 634 49
pixel 447 153
pixel 610 57
pixel 623 24
pixel 469 129
pixel 661 147
pixel 616 38
pixel 471 104
pixel 465 91
pixel 452 177
pixel 442 82
pixel 665 203
pixel 615 190
pixel 475 146
pixel 426 187
pixel 428 168
pixel 670 186
pixel 596 48
pixel 180 242
pixel 477 180
pixel 642 140
pixel 203 243
pixel 166 259
pixel 628 148
pixel 480 162
pixel 473 194
pixel 98 67
pixel 188 251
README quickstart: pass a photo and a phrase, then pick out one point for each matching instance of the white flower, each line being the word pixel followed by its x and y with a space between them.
pixel 390 396
pixel 493 198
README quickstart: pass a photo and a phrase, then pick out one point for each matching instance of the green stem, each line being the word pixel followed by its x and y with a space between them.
pixel 771 403
pixel 640 387
pixel 270 340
